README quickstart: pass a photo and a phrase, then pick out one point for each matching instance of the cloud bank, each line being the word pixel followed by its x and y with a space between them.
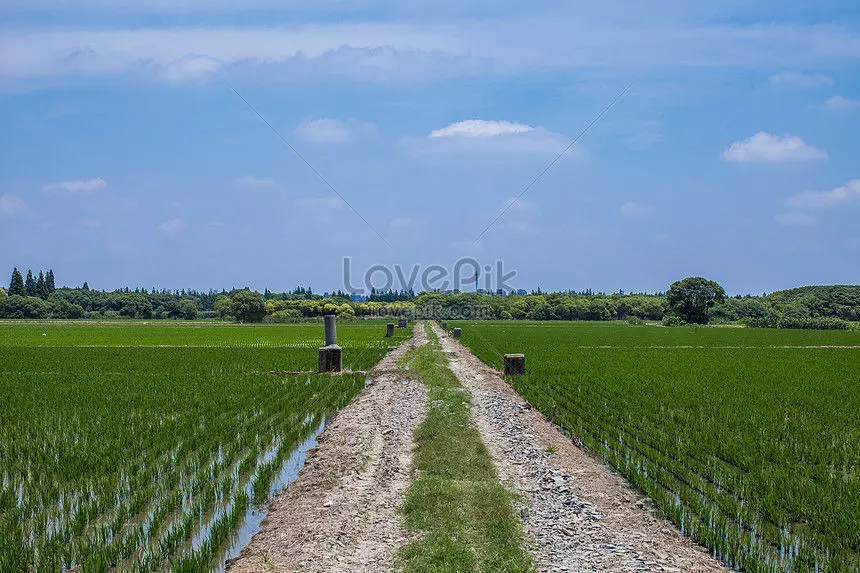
pixel 77 185
pixel 848 193
pixel 328 130
pixel 768 148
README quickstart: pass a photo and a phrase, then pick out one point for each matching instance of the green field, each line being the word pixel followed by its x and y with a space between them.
pixel 748 439
pixel 141 446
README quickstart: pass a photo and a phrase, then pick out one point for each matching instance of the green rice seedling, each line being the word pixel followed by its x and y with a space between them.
pixel 748 439
pixel 120 444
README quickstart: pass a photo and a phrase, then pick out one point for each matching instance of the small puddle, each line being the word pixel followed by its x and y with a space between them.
pixel 255 515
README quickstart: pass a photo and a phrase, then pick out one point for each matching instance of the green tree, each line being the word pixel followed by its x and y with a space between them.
pixel 248 306
pixel 30 284
pixel 61 308
pixel 16 285
pixel 49 281
pixel 16 306
pixel 691 299
pixel 41 286
pixel 189 309
pixel 223 306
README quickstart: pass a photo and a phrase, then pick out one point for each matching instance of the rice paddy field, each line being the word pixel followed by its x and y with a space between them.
pixel 149 447
pixel 748 439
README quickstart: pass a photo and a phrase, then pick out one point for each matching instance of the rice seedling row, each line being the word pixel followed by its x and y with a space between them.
pixel 749 440
pixel 152 456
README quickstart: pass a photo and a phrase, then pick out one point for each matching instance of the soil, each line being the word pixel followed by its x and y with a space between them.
pixel 342 513
pixel 578 515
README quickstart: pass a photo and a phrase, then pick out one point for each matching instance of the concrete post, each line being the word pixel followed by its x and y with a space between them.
pixel 330 329
pixel 515 364
pixel 331 358
pixel 331 355
pixel 457 332
pixel 389 330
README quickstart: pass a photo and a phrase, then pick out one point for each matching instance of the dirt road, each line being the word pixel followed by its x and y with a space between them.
pixel 342 513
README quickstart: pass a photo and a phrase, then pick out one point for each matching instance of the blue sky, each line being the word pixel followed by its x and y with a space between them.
pixel 126 160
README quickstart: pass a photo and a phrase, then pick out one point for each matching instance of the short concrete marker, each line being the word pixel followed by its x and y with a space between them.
pixel 515 364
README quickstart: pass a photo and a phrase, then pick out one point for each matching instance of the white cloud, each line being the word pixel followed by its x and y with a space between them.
pixel 841 103
pixel 480 128
pixel 517 216
pixel 800 80
pixel 77 185
pixel 768 148
pixel 401 224
pixel 793 219
pixel 320 203
pixel 190 68
pixel 649 134
pixel 848 193
pixel 327 130
pixel 172 227
pixel 197 52
pixel 10 205
pixel 635 210
pixel 323 210
pixel 492 137
pixel 251 181
pixel 424 49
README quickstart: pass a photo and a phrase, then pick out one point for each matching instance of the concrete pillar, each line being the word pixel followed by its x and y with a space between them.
pixel 515 364
pixel 331 358
pixel 330 329
pixel 457 332
pixel 401 323
pixel 389 329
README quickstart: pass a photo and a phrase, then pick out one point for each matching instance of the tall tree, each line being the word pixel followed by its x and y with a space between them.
pixel 41 287
pixel 691 299
pixel 16 285
pixel 86 286
pixel 49 281
pixel 30 284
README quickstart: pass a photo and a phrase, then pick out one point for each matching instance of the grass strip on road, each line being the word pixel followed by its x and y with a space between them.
pixel 465 514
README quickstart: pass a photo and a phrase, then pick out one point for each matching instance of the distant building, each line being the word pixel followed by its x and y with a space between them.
pixel 482 291
pixel 500 292
pixel 521 292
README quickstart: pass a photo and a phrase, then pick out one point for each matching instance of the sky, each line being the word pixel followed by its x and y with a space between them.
pixel 714 139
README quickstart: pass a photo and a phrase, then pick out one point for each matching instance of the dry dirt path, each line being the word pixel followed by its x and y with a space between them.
pixel 342 513
pixel 578 516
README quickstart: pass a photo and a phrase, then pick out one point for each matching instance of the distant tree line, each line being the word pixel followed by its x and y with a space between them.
pixel 692 300
pixel 41 287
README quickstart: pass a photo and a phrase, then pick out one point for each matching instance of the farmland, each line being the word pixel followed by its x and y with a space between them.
pixel 748 439
pixel 145 446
